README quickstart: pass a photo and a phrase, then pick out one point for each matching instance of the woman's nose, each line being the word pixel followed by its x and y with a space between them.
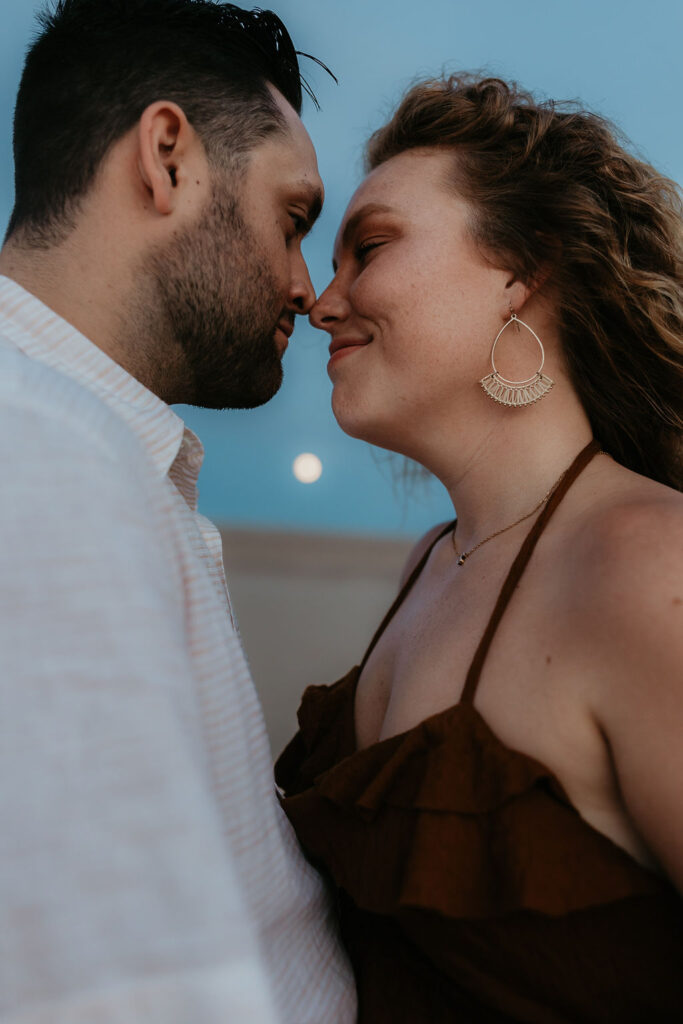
pixel 330 308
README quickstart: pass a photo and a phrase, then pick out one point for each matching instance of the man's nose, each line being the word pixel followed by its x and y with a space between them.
pixel 301 291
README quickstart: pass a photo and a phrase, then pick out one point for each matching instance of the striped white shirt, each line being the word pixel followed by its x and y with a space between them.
pixel 147 872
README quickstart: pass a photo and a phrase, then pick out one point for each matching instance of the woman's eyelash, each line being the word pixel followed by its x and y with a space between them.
pixel 363 248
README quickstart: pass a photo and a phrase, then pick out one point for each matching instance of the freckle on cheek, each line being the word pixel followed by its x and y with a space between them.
pixel 677 600
pixel 548 659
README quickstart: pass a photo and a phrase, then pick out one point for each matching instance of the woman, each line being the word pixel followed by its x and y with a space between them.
pixel 495 792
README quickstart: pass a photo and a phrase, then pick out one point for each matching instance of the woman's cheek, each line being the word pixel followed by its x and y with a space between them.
pixel 375 292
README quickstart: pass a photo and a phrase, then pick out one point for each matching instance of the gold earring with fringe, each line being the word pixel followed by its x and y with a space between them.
pixel 516 392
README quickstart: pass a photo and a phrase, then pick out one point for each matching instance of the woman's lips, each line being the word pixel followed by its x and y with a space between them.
pixel 343 347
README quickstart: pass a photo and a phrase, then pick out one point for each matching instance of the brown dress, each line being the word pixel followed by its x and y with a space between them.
pixel 468 886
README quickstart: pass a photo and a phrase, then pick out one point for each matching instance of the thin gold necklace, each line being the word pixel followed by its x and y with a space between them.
pixel 527 515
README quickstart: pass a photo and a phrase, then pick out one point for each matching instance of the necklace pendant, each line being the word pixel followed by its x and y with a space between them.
pixel 461 560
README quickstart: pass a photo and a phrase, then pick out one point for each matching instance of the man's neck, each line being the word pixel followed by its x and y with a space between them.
pixel 90 293
pixel 64 278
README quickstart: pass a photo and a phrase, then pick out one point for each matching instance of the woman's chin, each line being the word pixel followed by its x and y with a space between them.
pixel 351 426
pixel 353 419
pixel 364 424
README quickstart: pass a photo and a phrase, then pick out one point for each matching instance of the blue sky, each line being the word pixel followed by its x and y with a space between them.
pixel 619 57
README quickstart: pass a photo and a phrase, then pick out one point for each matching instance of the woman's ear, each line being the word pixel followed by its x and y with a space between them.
pixel 165 140
pixel 519 291
pixel 517 294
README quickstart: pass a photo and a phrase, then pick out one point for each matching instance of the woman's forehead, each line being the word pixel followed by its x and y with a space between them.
pixel 406 183
pixel 404 176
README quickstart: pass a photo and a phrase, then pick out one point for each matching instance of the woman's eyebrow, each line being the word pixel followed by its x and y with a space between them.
pixel 353 222
pixel 360 214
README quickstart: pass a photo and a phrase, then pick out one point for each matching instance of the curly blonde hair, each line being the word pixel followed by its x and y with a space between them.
pixel 552 186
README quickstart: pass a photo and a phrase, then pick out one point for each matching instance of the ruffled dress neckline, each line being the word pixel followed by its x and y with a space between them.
pixel 452 763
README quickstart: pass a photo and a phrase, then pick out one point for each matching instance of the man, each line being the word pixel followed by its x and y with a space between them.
pixel 164 183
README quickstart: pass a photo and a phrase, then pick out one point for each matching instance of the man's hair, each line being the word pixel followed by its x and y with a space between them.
pixel 552 189
pixel 96 66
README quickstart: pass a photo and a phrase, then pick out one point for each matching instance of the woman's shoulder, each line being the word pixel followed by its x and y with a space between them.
pixel 633 528
pixel 627 593
pixel 625 575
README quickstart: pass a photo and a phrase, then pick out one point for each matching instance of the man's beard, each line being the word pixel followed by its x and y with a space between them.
pixel 217 300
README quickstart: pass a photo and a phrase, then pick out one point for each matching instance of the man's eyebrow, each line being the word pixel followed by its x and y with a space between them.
pixel 353 222
pixel 314 198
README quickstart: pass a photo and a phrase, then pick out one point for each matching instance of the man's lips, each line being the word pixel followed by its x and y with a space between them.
pixel 282 333
pixel 286 326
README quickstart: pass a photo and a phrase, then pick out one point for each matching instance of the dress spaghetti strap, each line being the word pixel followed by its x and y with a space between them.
pixel 519 565
pixel 403 592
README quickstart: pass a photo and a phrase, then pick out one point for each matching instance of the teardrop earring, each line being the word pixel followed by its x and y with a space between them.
pixel 516 392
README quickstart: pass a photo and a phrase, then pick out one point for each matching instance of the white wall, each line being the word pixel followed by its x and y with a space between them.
pixel 307 605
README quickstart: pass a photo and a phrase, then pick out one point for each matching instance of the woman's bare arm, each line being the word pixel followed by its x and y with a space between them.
pixel 634 599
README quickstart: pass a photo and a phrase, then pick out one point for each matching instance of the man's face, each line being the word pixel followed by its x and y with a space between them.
pixel 230 285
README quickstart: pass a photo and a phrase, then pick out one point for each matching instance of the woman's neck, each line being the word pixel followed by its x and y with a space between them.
pixel 508 469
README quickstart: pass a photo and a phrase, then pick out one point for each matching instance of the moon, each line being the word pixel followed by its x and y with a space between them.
pixel 307 468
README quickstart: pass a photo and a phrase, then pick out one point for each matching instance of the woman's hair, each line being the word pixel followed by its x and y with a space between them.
pixel 553 190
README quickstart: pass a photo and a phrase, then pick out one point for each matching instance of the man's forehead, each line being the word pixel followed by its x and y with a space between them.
pixel 294 142
pixel 293 123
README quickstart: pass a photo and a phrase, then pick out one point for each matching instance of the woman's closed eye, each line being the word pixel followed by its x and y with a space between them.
pixel 364 248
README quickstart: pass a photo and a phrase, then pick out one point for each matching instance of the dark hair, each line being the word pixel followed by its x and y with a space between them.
pixel 96 66
pixel 551 186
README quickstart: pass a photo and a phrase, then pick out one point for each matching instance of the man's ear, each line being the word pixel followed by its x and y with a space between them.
pixel 165 142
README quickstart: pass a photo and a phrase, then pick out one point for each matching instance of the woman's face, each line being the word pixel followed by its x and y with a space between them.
pixel 413 307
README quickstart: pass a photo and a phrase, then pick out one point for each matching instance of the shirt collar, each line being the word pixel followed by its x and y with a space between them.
pixel 46 338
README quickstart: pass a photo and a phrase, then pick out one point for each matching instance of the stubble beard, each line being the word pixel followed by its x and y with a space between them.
pixel 218 301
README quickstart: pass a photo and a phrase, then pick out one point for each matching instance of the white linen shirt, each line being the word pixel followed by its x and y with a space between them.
pixel 147 872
